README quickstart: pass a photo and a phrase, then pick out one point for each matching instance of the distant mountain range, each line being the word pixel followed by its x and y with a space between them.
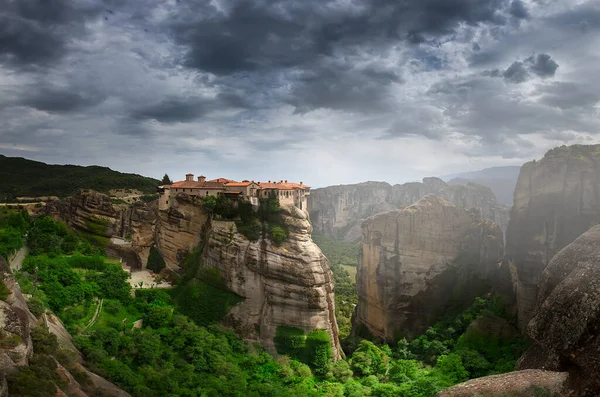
pixel 502 180
pixel 22 177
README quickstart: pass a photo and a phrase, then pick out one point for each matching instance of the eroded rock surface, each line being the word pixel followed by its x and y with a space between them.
pixel 566 321
pixel 516 384
pixel 418 261
pixel 339 210
pixel 556 200
pixel 94 213
pixel 288 285
pixel 179 228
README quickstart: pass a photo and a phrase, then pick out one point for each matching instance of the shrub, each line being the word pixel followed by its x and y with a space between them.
pixel 36 307
pixel 318 351
pixel 289 341
pixel 278 235
pixel 155 260
pixel 4 291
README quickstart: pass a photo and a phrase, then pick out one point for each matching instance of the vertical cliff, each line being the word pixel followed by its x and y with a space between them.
pixel 339 210
pixel 422 260
pixel 288 285
pixel 179 228
pixel 566 319
pixel 555 201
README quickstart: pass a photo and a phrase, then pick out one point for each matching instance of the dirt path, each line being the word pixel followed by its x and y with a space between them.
pixel 17 261
pixel 93 320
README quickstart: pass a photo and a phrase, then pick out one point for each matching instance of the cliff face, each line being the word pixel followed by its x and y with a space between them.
pixel 566 323
pixel 418 261
pixel 338 210
pixel 288 285
pixel 556 200
pixel 94 214
pixel 179 228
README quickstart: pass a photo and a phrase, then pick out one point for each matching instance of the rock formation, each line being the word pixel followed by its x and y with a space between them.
pixel 179 228
pixel 519 383
pixel 418 261
pixel 288 285
pixel 339 210
pixel 94 214
pixel 556 200
pixel 566 322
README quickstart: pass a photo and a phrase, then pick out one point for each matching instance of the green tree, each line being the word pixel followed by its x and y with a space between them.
pixel 155 260
pixel 166 180
pixel 278 235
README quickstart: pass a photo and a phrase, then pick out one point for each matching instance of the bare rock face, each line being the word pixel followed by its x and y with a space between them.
pixel 93 213
pixel 417 261
pixel 566 321
pixel 519 383
pixel 179 228
pixel 15 323
pixel 288 285
pixel 556 200
pixel 336 208
pixel 339 210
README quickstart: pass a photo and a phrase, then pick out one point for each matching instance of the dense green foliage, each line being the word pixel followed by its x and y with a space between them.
pixel 176 355
pixel 341 254
pixel 252 224
pixel 22 177
pixel 313 349
pixel 155 260
pixel 13 226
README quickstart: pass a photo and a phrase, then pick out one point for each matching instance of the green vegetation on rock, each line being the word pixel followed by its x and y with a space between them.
pixel 342 256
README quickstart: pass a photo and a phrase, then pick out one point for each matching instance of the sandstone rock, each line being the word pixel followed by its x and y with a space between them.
pixel 566 321
pixel 339 210
pixel 417 261
pixel 93 213
pixel 287 285
pixel 179 228
pixel 556 200
pixel 15 323
pixel 517 384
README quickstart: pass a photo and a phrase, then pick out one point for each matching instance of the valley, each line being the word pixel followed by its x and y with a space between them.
pixel 204 297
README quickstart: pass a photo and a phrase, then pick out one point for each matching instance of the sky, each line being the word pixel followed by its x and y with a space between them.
pixel 319 91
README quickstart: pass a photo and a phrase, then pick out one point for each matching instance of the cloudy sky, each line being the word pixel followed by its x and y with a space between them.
pixel 321 91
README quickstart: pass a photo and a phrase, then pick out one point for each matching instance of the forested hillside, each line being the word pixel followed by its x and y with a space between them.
pixel 22 177
pixel 177 352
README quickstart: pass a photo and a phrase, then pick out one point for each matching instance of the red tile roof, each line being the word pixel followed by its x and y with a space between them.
pixel 196 185
pixel 282 185
pixel 221 180
pixel 238 184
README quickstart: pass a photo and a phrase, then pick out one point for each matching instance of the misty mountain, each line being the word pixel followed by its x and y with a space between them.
pixel 502 180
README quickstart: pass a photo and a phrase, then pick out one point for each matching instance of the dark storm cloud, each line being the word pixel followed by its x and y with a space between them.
pixel 518 10
pixel 262 35
pixel 343 87
pixel 54 99
pixel 567 95
pixel 542 65
pixel 36 32
pixel 516 73
pixel 173 110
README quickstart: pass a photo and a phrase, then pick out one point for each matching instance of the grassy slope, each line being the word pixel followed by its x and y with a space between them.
pixel 22 177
